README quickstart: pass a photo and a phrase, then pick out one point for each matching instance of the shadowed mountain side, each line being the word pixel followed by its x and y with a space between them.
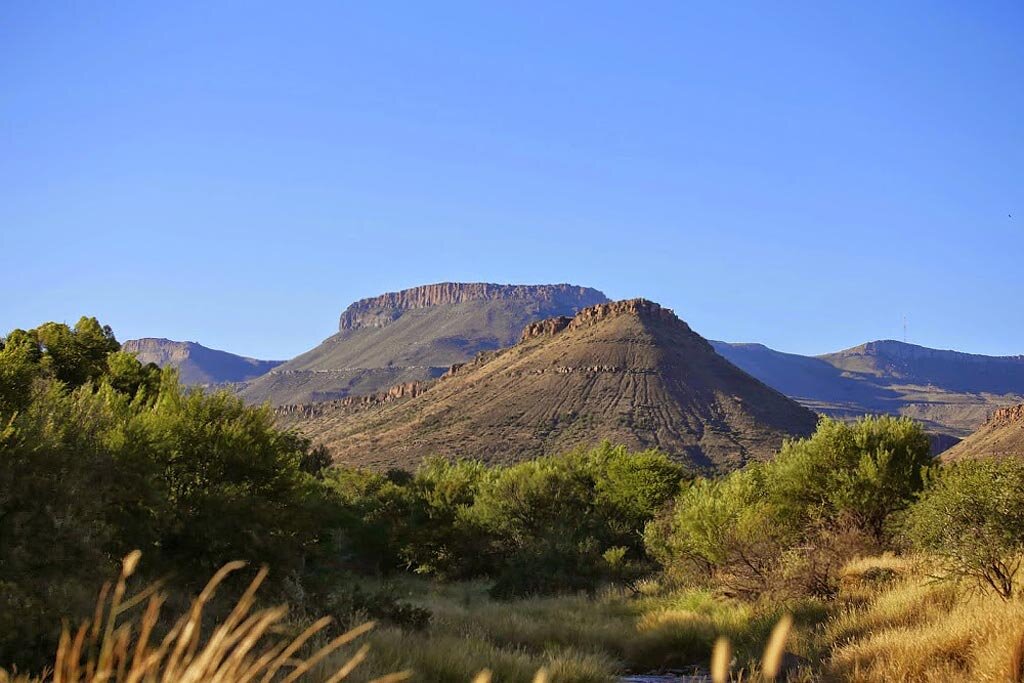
pixel 951 371
pixel 805 378
pixel 951 393
pixel 1001 436
pixel 414 335
pixel 630 372
pixel 197 364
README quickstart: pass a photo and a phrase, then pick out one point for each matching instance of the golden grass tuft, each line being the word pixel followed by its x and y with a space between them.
pixel 721 660
pixel 244 647
pixel 917 629
pixel 771 662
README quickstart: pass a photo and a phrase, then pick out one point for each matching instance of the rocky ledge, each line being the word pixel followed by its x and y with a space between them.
pixel 1007 416
pixel 382 310
pixel 395 393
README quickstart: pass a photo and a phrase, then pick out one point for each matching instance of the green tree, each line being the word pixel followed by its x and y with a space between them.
pixel 860 472
pixel 971 517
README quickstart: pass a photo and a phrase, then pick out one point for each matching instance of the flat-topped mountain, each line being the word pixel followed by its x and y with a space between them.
pixel 414 335
pixel 197 364
pixel 949 391
pixel 1001 436
pixel 630 371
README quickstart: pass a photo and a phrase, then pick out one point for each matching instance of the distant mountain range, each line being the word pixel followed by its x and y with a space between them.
pixel 196 363
pixel 630 372
pixel 407 338
pixel 948 391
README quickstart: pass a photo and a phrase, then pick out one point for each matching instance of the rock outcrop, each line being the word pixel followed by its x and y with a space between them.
pixel 630 372
pixel 1002 436
pixel 379 311
pixel 415 335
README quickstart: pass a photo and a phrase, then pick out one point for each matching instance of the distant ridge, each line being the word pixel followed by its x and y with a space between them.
pixel 1002 436
pixel 414 335
pixel 949 391
pixel 629 371
pixel 197 364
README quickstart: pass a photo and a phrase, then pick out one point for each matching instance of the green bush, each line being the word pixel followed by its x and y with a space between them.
pixel 858 472
pixel 100 455
pixel 552 521
pixel 799 516
pixel 971 516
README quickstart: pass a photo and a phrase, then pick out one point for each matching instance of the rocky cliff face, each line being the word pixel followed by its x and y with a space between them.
pixel 382 310
pixel 395 393
pixel 1004 417
pixel 640 308
pixel 545 328
pixel 1002 436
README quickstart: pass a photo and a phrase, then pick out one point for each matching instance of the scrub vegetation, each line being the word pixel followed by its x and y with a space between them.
pixel 582 565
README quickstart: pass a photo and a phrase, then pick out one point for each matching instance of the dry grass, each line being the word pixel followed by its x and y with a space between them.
pixel 917 630
pixel 118 645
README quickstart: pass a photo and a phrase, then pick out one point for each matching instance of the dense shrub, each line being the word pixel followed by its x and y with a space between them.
pixel 857 473
pixel 971 516
pixel 560 523
pixel 569 522
pixel 100 455
pixel 799 517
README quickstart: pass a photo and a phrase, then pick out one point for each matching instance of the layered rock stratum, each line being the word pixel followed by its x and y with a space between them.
pixel 630 372
pixel 414 335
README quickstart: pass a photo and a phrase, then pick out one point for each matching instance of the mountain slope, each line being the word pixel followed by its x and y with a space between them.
pixel 1001 436
pixel 950 392
pixel 198 364
pixel 415 335
pixel 630 372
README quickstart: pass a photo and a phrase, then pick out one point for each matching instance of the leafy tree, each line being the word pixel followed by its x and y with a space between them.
pixel 20 366
pixel 971 517
pixel 79 355
pixel 822 499
pixel 729 528
pixel 445 540
pixel 100 454
pixel 552 521
pixel 861 472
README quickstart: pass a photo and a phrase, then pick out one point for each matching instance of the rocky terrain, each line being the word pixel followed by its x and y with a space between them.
pixel 630 371
pixel 950 392
pixel 1001 436
pixel 197 364
pixel 414 335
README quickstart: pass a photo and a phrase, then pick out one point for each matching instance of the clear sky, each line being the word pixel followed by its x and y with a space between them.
pixel 801 174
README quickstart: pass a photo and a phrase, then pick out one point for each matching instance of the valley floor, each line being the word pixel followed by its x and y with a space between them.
pixel 891 622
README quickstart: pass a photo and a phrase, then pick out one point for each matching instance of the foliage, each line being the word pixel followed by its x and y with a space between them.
pixel 552 521
pixel 971 516
pixel 119 645
pixel 860 472
pixel 100 454
pixel 822 500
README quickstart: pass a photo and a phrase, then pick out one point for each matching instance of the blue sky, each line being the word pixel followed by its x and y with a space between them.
pixel 800 174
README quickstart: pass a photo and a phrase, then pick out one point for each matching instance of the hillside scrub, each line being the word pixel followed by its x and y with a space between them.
pixel 971 518
pixel 547 562
pixel 791 523
pixel 555 524
pixel 100 455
